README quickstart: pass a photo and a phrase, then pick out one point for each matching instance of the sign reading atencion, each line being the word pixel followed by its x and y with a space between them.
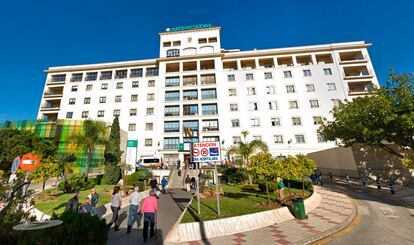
pixel 206 152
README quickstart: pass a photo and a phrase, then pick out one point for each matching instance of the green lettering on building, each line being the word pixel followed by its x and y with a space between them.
pixel 190 27
pixel 132 143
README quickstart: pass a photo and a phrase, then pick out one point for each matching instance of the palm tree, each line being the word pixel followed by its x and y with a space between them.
pixel 246 149
pixel 91 134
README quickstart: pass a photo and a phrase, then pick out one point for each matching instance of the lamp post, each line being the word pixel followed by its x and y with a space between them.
pixel 289 142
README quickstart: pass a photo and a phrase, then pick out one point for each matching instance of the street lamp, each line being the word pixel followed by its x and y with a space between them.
pixel 289 141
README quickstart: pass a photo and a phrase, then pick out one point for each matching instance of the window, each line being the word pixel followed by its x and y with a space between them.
pixel 251 91
pixel 120 74
pixel 331 86
pixel 133 112
pixel 270 90
pixel 89 87
pixel 290 88
pixel 172 95
pixel 151 83
pixel 134 97
pixel 202 40
pixel 150 111
pixel 307 73
pixel 211 138
pixel 105 75
pixel 321 139
pixel 172 81
pixel 136 73
pixel 336 102
pixel 278 139
pixel 101 113
pixel 208 79
pixel 176 43
pixel 236 139
pixel 208 94
pixel 192 124
pixel 300 138
pixel 293 104
pixel 171 126
pixel 102 99
pixel 173 53
pixel 257 137
pixel 268 75
pixel 149 126
pixel 190 110
pixel 118 98
pixel 150 96
pixel 232 92
pixel 327 71
pixel 117 112
pixel 104 86
pixel 249 76
pixel 77 77
pixel 72 101
pixel 231 78
pixel 59 78
pixel 170 111
pixel 87 100
pixel 310 88
pixel 272 105
pixel 234 107
pixel 69 114
pixel 235 123
pixel 91 76
pixel 209 109
pixel 148 142
pixel 317 120
pixel 74 88
pixel 171 143
pixel 296 121
pixel 119 85
pixel 255 122
pixel 287 74
pixel 190 95
pixel 212 39
pixel 85 114
pixel 132 127
pixel 153 71
pixel 275 121
pixel 314 103
pixel 135 84
pixel 166 44
pixel 253 106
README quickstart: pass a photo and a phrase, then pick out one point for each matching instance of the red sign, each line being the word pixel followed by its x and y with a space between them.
pixel 204 152
pixel 196 153
pixel 29 162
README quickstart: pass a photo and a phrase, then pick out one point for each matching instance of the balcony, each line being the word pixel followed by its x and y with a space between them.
pixel 50 116
pixel 172 67
pixel 190 66
pixel 285 61
pixel 230 66
pixel 324 59
pixel 304 60
pixel 190 80
pixel 266 63
pixel 248 64
pixel 208 79
pixel 52 93
pixel 210 128
pixel 352 57
pixel 360 88
pixel 50 107
pixel 207 65
pixel 357 72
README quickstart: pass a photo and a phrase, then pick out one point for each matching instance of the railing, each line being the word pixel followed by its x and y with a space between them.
pixel 354 59
pixel 209 129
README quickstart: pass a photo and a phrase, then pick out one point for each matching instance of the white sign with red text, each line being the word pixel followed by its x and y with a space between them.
pixel 206 152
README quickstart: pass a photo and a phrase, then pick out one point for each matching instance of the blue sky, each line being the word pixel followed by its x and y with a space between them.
pixel 38 34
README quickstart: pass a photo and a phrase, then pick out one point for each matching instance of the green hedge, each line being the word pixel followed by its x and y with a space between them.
pixel 137 178
pixel 249 187
pixel 77 182
pixel 235 175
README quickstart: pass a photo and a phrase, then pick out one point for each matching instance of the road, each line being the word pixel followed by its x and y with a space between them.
pixel 383 220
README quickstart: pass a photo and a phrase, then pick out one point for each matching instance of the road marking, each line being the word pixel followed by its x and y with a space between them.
pixel 389 212
pixel 363 210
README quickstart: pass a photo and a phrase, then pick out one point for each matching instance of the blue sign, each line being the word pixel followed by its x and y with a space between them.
pixel 15 165
pixel 214 152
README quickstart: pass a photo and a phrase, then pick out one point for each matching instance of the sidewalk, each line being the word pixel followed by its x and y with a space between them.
pixel 170 207
pixel 335 212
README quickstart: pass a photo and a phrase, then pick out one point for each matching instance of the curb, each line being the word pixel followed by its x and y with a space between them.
pixel 173 230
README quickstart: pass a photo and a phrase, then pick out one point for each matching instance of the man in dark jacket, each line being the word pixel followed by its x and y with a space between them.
pixel 154 183
pixel 73 204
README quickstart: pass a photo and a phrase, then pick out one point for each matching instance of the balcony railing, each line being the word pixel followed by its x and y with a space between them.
pixel 171 114
pixel 357 74
pixel 209 129
pixel 53 93
pixel 357 59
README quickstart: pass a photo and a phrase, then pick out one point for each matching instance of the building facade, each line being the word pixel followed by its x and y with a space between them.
pixel 279 95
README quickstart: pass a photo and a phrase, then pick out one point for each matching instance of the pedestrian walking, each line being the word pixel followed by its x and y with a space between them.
pixel 149 209
pixel 363 180
pixel 154 183
pixel 378 182
pixel 313 178
pixel 116 203
pixel 179 172
pixel 392 189
pixel 187 183
pixel 193 183
pixel 319 179
pixel 178 164
pixel 330 176
pixel 86 207
pixel 94 198
pixel 281 191
pixel 164 183
pixel 73 204
pixel 347 177
pixel 134 209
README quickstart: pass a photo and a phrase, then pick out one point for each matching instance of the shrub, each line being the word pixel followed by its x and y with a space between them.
pixel 298 184
pixel 104 181
pixel 72 183
pixel 137 178
pixel 250 187
pixel 75 229
pixel 112 174
pixel 235 175
pixel 262 186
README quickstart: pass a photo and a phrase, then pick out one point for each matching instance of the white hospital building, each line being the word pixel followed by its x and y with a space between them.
pixel 279 95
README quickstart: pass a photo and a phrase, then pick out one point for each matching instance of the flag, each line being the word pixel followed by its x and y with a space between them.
pixel 185 131
pixel 190 133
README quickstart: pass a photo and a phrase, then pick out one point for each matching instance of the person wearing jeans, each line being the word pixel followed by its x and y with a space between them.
pixel 149 209
pixel 134 209
pixel 115 207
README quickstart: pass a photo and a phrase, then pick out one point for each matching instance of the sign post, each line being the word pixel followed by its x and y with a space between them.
pixel 207 152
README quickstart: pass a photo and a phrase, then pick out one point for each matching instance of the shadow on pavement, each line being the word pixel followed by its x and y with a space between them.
pixel 135 237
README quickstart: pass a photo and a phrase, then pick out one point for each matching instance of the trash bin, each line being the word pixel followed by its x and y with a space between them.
pixel 298 207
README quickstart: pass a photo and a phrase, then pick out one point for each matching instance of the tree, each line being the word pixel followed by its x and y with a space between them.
pixel 308 167
pixel 92 134
pixel 47 169
pixel 264 167
pixel 125 168
pixel 291 170
pixel 113 153
pixel 384 116
pixel 246 149
pixel 14 142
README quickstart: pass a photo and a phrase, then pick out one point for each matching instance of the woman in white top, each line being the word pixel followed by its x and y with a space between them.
pixel 115 207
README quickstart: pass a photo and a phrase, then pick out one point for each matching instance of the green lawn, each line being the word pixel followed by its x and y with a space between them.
pixel 55 200
pixel 235 203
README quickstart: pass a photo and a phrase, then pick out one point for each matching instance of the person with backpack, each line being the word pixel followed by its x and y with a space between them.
pixel 73 204
pixel 149 210
pixel 116 203
pixel 134 209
